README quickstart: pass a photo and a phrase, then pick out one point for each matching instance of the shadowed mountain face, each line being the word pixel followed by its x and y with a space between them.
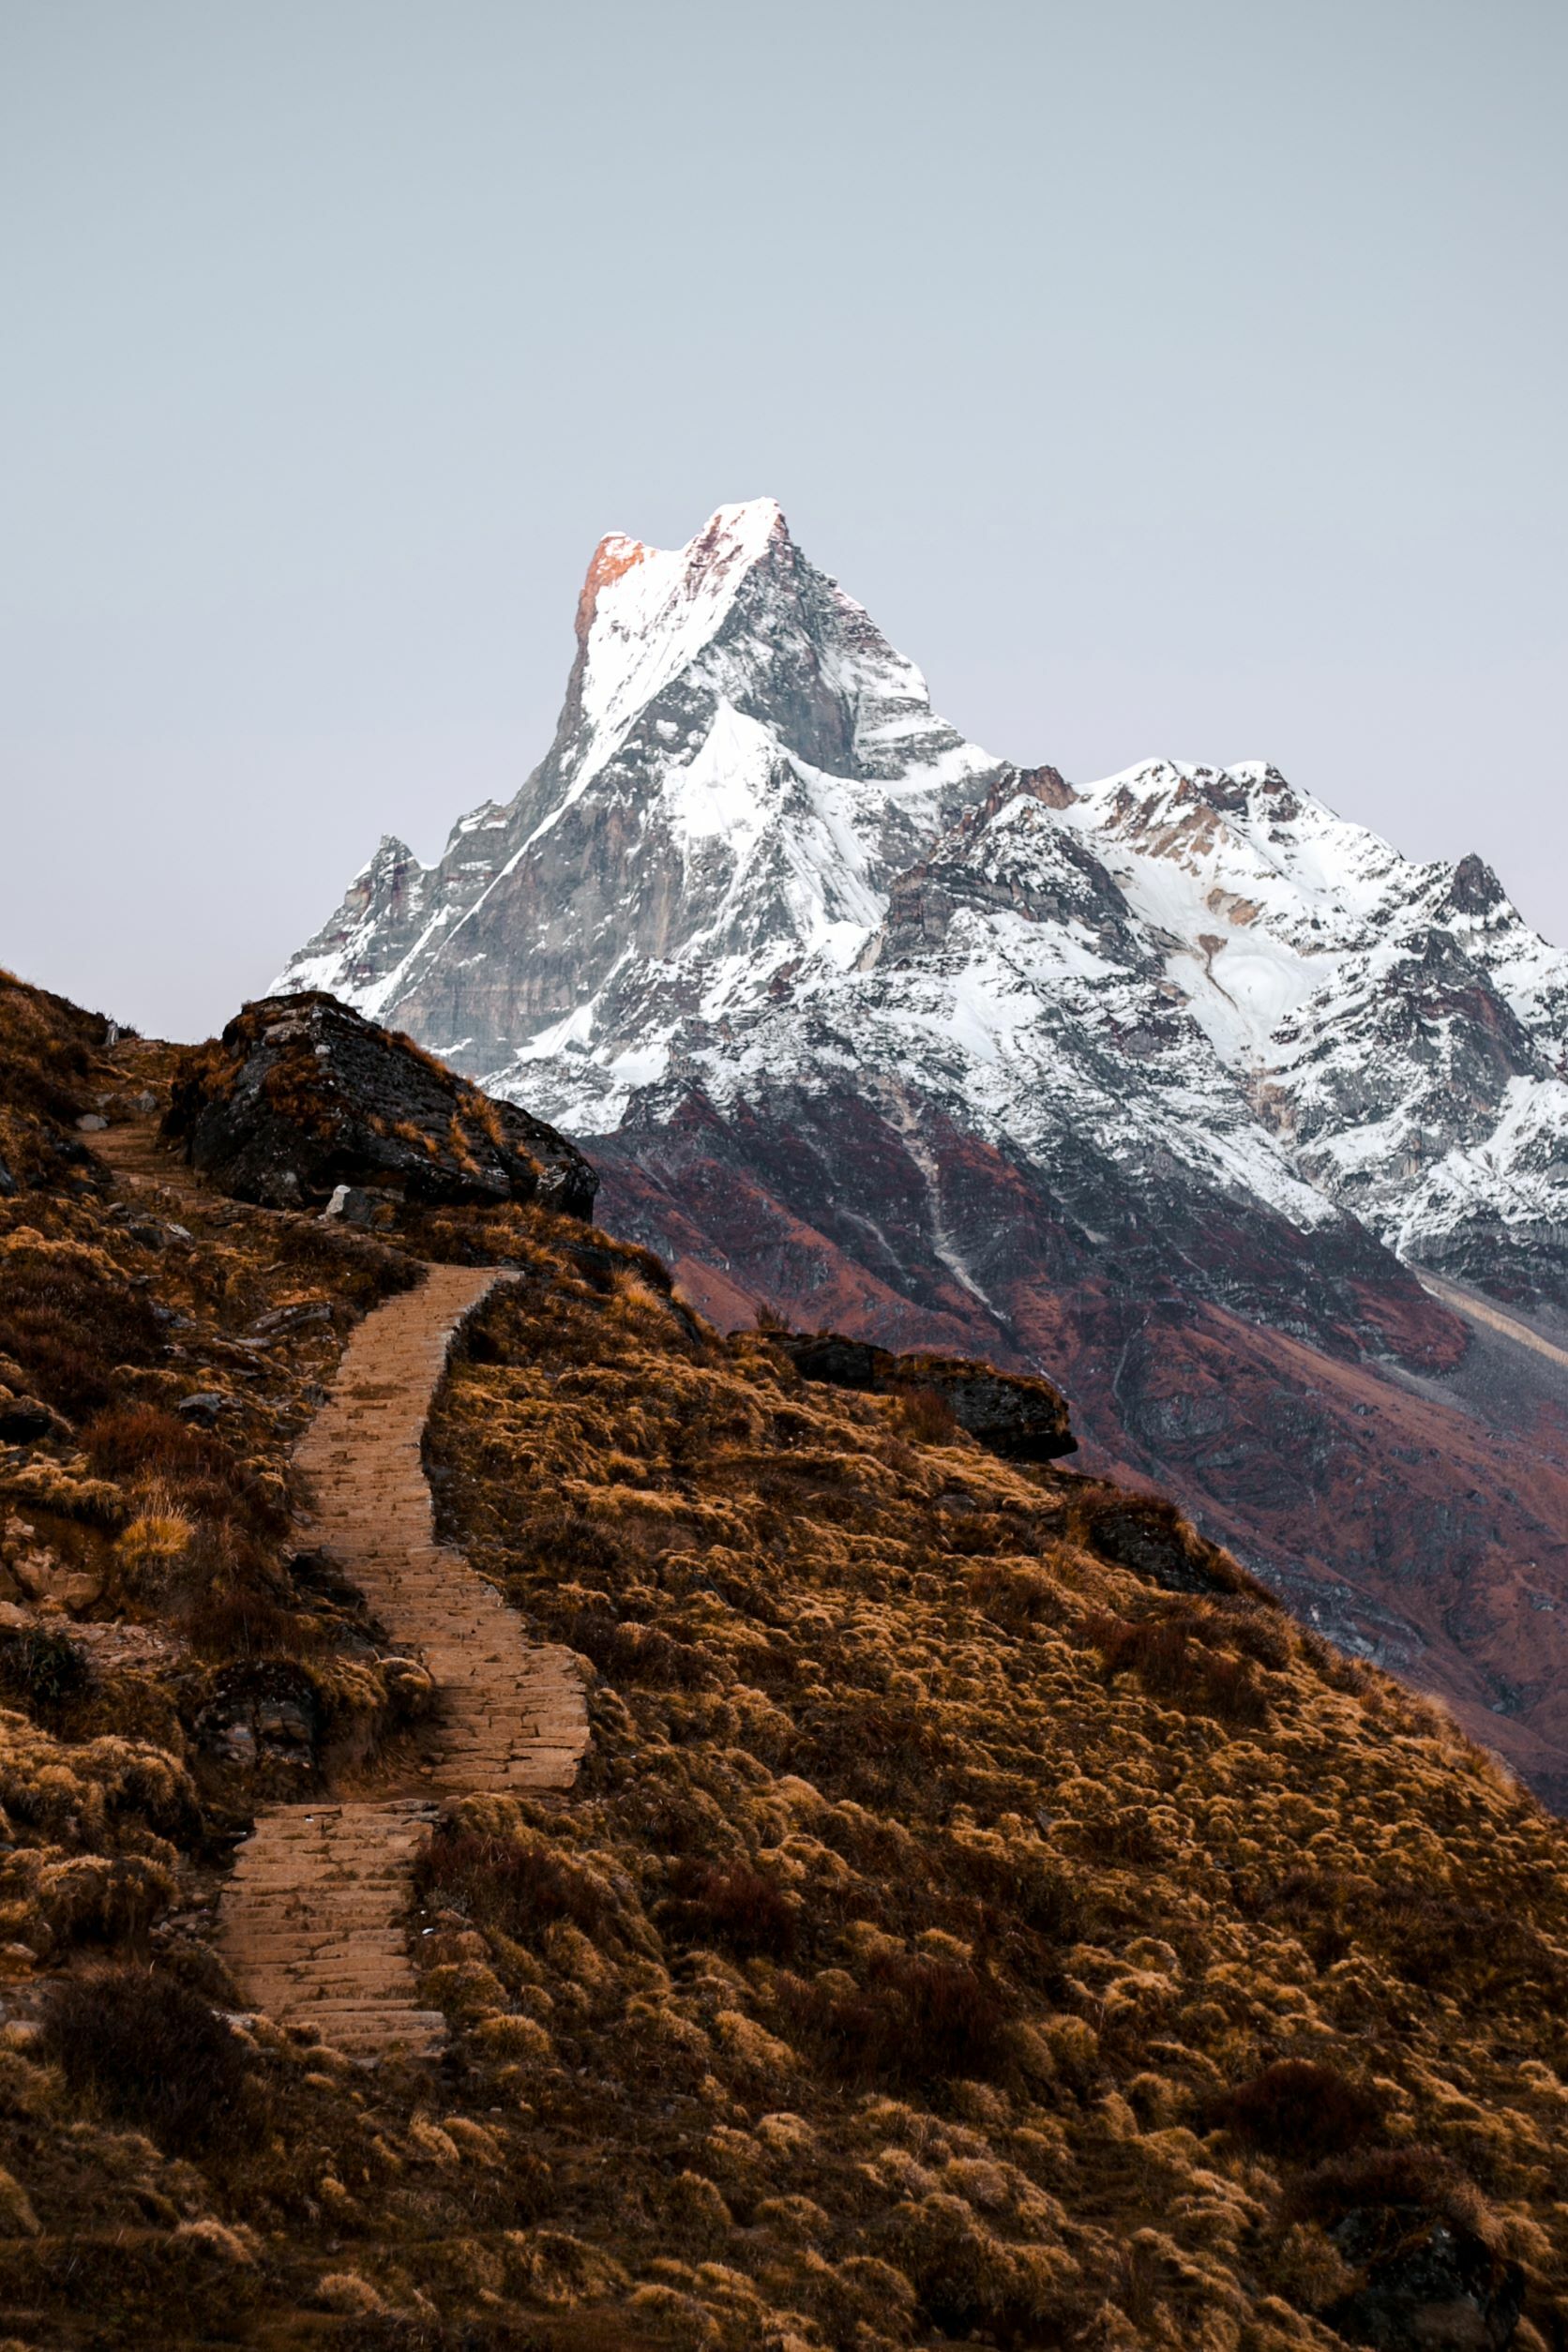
pixel 1164 1086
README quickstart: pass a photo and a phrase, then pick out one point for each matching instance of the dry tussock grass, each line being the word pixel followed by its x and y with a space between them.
pixel 111 1311
pixel 49 1054
pixel 982 1915
pixel 143 2049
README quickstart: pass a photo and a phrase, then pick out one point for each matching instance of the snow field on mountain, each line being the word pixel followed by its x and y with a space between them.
pixel 1515 1176
pixel 781 827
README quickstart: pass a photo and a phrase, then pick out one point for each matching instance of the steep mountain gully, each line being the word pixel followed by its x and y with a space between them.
pixel 311 1922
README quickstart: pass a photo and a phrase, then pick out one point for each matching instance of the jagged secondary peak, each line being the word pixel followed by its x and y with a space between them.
pixel 1242 831
pixel 1251 886
pixel 1394 1023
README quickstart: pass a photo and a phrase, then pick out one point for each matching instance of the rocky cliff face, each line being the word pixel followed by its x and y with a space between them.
pixel 1168 1086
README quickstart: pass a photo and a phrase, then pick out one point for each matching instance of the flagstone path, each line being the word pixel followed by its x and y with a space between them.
pixel 312 1921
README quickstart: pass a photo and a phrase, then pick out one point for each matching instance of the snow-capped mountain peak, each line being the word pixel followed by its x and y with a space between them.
pixel 647 611
pixel 754 856
pixel 743 763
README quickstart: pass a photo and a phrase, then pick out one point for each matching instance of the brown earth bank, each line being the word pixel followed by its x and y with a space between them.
pixel 982 1914
pixel 1321 1420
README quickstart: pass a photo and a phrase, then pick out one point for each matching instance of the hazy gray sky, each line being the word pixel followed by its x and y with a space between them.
pixel 1166 378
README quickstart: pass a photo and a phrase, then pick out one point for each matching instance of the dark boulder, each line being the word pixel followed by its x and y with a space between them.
pixel 838 1362
pixel 1152 1539
pixel 300 1095
pixel 25 1420
pixel 204 1408
pixel 1431 2285
pixel 263 1708
pixel 1021 1418
pixel 1431 2274
pixel 354 1204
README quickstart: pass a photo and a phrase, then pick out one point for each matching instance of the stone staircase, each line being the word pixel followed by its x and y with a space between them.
pixel 311 1924
pixel 312 1921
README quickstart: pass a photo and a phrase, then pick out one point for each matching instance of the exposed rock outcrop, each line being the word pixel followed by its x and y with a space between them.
pixel 1150 1537
pixel 1428 2284
pixel 302 1095
pixel 1431 2271
pixel 1022 1419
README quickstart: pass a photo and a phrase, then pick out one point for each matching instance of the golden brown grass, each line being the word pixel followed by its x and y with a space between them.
pixel 51 1060
pixel 111 1311
pixel 982 1915
pixel 959 1933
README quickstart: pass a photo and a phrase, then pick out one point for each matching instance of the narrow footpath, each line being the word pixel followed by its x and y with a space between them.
pixel 312 1921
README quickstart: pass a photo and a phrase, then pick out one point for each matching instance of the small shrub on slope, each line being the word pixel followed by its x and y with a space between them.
pixel 915 2021
pixel 42 1667
pixel 926 1418
pixel 518 1885
pixel 68 1317
pixel 149 2053
pixel 730 1907
pixel 1183 1655
pixel 1302 2110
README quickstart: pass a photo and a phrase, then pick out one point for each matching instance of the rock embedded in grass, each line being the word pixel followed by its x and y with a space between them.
pixel 301 1098
pixel 1021 1418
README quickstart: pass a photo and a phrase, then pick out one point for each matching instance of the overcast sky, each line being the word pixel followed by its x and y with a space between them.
pixel 1165 378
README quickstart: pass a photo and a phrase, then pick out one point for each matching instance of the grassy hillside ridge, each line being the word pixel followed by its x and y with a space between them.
pixel 956 1930
pixel 50 1049
pixel 983 1914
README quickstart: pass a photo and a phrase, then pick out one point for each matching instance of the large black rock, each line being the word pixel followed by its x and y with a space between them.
pixel 301 1094
pixel 1021 1418
pixel 1431 2285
